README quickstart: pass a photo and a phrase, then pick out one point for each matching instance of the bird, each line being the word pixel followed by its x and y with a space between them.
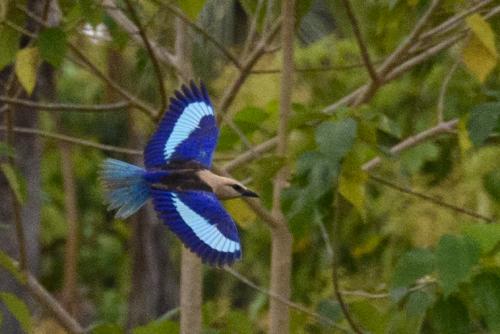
pixel 176 175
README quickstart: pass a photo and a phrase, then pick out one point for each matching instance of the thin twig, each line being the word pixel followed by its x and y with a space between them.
pixel 361 43
pixel 76 50
pixel 335 264
pixel 250 155
pixel 431 199
pixel 421 284
pixel 246 67
pixel 123 21
pixel 151 52
pixel 76 141
pixel 442 128
pixel 315 69
pixel 202 31
pixel 16 205
pixel 51 304
pixel 442 92
pixel 283 300
pixel 117 106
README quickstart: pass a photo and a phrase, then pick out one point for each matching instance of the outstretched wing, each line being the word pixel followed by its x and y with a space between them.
pixel 202 224
pixel 188 130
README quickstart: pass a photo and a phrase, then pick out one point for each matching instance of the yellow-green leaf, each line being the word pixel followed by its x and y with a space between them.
pixel 480 54
pixel 18 309
pixel 352 182
pixel 26 68
pixel 15 181
pixel 464 141
pixel 482 30
pixel 191 8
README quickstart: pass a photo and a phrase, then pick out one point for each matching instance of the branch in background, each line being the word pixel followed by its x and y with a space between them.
pixel 96 71
pixel 442 92
pixel 246 67
pixel 122 20
pixel 420 285
pixel 361 43
pixel 431 199
pixel 315 69
pixel 335 264
pixel 252 31
pixel 152 54
pixel 248 156
pixel 76 141
pixel 117 106
pixel 202 32
pixel 284 301
pixel 412 141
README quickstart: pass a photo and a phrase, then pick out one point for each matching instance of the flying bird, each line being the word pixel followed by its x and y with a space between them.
pixel 177 177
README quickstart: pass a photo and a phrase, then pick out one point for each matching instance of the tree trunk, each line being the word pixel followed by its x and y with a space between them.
pixel 281 253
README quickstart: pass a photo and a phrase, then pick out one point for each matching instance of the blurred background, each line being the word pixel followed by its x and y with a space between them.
pixel 409 239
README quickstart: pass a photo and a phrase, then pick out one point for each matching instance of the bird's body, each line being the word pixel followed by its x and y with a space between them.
pixel 177 177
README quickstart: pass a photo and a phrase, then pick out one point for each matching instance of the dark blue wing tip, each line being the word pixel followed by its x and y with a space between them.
pixel 190 93
pixel 218 259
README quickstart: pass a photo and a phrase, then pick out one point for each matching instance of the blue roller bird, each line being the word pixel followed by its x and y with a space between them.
pixel 177 177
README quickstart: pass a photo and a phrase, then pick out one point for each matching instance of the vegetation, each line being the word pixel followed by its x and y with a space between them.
pixel 370 129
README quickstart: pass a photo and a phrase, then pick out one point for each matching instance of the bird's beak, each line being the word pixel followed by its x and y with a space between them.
pixel 249 193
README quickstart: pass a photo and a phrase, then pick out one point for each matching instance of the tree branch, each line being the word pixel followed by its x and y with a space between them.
pixel 117 106
pixel 246 67
pixel 151 52
pixel 122 20
pixel 76 141
pixel 335 264
pixel 412 141
pixel 431 199
pixel 361 43
pixel 283 300
pixel 202 32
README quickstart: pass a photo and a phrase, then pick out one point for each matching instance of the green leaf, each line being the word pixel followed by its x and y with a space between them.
pixel 53 45
pixel 486 288
pixel 352 182
pixel 18 309
pixel 26 68
pixel 483 120
pixel 15 180
pixel 450 316
pixel 6 150
pixel 455 257
pixel 250 119
pixel 491 182
pixel 9 43
pixel 486 235
pixel 412 266
pixel 334 140
pixel 8 264
pixel 158 326
pixel 330 309
pixel 369 317
pixel 412 160
pixel 107 329
pixel 191 8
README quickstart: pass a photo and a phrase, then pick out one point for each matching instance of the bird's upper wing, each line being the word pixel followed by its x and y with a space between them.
pixel 188 130
pixel 200 221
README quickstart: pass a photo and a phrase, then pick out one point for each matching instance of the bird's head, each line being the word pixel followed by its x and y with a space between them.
pixel 225 187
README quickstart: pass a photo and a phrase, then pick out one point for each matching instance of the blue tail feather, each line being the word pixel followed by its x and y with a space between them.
pixel 125 187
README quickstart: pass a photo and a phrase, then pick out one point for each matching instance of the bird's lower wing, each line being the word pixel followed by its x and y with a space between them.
pixel 202 224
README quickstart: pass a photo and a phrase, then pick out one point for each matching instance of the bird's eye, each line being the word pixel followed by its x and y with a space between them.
pixel 237 187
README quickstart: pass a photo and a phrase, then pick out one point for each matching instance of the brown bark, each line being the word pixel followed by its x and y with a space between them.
pixel 281 253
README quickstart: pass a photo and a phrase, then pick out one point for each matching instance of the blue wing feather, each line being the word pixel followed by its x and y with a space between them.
pixel 201 223
pixel 188 130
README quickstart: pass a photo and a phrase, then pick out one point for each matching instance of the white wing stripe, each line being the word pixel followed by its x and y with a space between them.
pixel 187 123
pixel 205 231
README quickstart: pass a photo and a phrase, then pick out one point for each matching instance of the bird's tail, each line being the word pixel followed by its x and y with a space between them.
pixel 125 187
